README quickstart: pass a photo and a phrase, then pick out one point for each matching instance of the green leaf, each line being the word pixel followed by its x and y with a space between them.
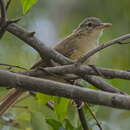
pixel 68 125
pixel 38 121
pixel 43 98
pixel 73 116
pixel 61 108
pixel 56 125
pixel 27 4
pixel 47 112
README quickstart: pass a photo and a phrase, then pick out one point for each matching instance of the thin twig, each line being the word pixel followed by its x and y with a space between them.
pixel 12 66
pixel 3 18
pixel 7 5
pixel 118 40
pixel 13 21
pixel 102 85
pixel 82 119
pixel 3 21
pixel 81 114
pixel 3 11
pixel 98 123
pixel 96 70
pixel 23 107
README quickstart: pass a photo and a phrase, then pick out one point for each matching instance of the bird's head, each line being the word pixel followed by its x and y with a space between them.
pixel 92 26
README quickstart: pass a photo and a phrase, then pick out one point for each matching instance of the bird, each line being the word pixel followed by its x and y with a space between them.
pixel 84 38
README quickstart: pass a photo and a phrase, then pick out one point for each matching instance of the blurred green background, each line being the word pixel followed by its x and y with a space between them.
pixel 52 20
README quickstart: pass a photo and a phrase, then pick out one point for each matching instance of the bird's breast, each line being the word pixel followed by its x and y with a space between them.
pixel 83 46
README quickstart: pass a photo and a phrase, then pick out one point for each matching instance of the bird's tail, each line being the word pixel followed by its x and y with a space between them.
pixel 10 99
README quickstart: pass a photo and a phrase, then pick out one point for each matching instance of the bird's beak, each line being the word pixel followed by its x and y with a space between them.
pixel 103 25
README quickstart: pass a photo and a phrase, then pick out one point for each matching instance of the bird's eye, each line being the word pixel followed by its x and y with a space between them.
pixel 89 24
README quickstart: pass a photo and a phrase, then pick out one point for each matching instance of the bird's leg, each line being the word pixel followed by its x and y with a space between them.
pixel 76 102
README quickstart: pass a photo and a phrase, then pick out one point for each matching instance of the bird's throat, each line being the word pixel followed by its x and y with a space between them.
pixel 89 41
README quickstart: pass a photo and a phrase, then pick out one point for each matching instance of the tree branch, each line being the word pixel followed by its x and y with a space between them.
pixel 7 5
pixel 102 85
pixel 84 73
pixel 118 40
pixel 3 18
pixel 82 70
pixel 64 90
pixel 3 11
pixel 38 45
pixel 83 119
pixel 12 66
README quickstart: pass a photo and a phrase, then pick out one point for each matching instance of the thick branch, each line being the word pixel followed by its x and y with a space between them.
pixel 82 70
pixel 97 82
pixel 64 90
pixel 84 73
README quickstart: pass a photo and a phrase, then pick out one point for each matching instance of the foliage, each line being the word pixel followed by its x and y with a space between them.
pixel 27 4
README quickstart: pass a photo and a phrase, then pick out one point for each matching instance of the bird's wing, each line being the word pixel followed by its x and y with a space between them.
pixel 67 46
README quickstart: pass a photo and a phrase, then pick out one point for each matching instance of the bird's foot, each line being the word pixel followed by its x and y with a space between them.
pixel 77 104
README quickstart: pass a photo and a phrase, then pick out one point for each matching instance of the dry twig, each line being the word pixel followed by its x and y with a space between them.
pixel 118 40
